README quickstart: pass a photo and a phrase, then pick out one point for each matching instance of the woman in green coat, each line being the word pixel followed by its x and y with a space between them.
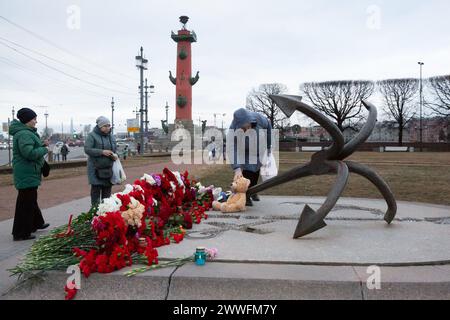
pixel 28 159
pixel 100 146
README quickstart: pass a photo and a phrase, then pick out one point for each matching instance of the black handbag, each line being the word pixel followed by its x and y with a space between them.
pixel 103 165
pixel 104 173
pixel 45 169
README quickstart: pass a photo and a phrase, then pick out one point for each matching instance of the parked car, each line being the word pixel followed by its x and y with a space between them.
pixel 76 143
pixel 3 146
pixel 121 145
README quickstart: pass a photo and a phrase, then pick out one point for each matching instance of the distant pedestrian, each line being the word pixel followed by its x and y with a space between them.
pixel 100 146
pixel 125 152
pixel 64 151
pixel 224 150
pixel 28 160
pixel 138 147
pixel 56 151
pixel 212 149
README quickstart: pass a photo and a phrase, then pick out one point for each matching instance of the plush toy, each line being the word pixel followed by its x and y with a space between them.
pixel 236 201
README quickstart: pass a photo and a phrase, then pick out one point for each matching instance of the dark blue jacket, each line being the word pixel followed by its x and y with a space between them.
pixel 258 121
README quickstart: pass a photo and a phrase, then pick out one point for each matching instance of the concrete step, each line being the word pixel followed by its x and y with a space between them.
pixel 241 281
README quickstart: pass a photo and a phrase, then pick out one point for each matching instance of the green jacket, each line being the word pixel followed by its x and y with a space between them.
pixel 28 155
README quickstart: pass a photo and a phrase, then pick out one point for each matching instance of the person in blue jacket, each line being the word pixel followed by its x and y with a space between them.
pixel 246 120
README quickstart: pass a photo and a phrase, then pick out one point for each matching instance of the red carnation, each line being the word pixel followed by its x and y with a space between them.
pixel 177 237
pixel 70 293
pixel 187 220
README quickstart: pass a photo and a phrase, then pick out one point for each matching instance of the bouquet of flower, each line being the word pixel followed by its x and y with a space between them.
pixel 125 228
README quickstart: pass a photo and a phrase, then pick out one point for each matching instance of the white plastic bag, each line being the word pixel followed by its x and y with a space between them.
pixel 269 168
pixel 118 173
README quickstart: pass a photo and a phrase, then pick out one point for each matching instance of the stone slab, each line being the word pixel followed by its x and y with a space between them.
pixel 56 216
pixel 230 281
pixel 356 234
pixel 112 286
pixel 418 282
pixel 258 259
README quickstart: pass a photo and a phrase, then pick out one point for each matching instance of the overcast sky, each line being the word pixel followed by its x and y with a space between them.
pixel 241 44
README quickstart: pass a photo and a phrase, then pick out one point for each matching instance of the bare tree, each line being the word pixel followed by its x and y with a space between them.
pixel 440 88
pixel 259 101
pixel 398 96
pixel 340 100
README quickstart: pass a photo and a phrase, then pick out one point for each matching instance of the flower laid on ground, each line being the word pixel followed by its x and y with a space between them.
pixel 70 292
pixel 133 215
pixel 125 229
pixel 211 253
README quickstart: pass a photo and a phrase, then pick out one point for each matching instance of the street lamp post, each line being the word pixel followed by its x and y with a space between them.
pixel 421 106
pixel 146 108
pixel 112 115
pixel 9 144
pixel 141 64
pixel 223 116
pixel 167 113
pixel 46 127
pixel 151 87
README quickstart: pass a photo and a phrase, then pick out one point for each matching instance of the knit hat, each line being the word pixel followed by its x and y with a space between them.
pixel 102 121
pixel 25 115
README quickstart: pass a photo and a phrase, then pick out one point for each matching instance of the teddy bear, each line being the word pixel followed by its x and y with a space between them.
pixel 236 201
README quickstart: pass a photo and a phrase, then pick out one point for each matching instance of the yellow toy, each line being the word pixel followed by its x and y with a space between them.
pixel 235 202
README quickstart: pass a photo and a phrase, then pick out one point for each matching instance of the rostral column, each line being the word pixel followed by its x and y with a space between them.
pixel 184 80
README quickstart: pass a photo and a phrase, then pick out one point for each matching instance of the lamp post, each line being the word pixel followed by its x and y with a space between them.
pixel 223 116
pixel 167 113
pixel 151 87
pixel 146 107
pixel 112 116
pixel 141 64
pixel 9 144
pixel 46 127
pixel 421 106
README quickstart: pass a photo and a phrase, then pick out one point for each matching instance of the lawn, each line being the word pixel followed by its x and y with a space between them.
pixel 420 177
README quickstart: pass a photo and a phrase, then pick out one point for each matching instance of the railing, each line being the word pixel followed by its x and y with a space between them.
pixel 370 146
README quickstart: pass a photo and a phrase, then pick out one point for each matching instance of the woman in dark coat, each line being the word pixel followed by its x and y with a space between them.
pixel 28 160
pixel 100 146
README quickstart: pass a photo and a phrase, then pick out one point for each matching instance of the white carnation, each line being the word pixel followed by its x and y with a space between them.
pixel 134 203
pixel 109 205
pixel 148 178
pixel 178 176
pixel 127 190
